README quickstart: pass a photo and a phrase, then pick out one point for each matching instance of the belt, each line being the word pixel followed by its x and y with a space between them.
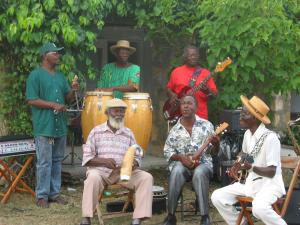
pixel 257 178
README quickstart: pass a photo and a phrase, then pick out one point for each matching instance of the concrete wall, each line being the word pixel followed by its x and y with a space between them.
pixel 281 108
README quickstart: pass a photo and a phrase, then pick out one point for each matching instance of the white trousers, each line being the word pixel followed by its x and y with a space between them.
pixel 224 198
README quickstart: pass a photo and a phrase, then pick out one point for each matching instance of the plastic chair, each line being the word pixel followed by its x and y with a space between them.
pixel 280 206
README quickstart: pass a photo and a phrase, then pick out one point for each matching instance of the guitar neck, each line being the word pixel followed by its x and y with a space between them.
pixel 202 149
pixel 201 85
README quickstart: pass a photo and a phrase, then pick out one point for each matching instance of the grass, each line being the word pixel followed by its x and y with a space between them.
pixel 21 208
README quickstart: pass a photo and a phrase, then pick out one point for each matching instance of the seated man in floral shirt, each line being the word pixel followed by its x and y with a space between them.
pixel 184 139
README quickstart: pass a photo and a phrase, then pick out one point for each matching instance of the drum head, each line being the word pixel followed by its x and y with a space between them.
pixel 98 93
pixel 136 95
pixel 157 189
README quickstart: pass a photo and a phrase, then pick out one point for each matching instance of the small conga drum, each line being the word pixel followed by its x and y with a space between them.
pixel 93 112
pixel 138 116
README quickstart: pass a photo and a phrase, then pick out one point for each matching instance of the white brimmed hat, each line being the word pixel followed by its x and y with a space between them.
pixel 122 44
pixel 115 102
pixel 257 108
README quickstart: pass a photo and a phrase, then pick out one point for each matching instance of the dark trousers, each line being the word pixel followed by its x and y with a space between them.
pixel 200 177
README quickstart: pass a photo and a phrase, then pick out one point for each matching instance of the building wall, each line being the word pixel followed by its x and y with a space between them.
pixel 154 73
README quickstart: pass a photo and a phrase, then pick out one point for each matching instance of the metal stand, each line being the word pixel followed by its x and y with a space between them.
pixel 72 153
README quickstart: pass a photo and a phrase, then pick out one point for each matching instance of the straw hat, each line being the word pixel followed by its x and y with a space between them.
pixel 257 108
pixel 115 102
pixel 122 44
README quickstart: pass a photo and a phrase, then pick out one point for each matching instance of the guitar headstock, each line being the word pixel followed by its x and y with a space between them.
pixel 222 65
pixel 220 128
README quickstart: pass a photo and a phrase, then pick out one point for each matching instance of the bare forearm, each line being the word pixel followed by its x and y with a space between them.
pixel 265 171
pixel 176 157
pixel 125 88
pixel 41 104
pixel 170 93
pixel 95 162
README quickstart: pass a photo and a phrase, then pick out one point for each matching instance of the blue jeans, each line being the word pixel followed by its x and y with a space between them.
pixel 50 153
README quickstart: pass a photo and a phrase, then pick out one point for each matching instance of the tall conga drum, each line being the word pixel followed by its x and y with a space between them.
pixel 93 112
pixel 138 116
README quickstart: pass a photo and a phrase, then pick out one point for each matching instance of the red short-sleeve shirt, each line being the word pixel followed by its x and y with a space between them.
pixel 180 78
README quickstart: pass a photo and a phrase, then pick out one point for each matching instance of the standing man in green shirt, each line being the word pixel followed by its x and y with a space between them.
pixel 47 90
pixel 120 76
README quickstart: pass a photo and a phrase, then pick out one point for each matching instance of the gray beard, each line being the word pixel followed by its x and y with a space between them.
pixel 116 123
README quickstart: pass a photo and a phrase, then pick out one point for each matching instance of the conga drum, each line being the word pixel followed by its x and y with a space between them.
pixel 138 116
pixel 93 112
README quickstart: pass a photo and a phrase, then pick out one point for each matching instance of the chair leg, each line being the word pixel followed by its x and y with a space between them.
pixel 182 207
pixel 99 214
pixel 244 212
pixel 130 198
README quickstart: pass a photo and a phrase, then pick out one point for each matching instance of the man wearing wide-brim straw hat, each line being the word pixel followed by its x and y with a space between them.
pixel 261 150
pixel 120 76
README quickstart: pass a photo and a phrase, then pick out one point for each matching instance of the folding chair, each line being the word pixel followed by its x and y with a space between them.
pixel 114 187
pixel 14 178
pixel 280 206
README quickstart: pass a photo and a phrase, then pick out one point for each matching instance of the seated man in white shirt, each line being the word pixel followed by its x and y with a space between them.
pixel 103 154
pixel 264 182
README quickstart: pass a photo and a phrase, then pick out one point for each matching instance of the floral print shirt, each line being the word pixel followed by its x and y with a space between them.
pixel 179 141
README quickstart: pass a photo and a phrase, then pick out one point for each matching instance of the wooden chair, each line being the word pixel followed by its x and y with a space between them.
pixel 115 187
pixel 280 206
pixel 14 177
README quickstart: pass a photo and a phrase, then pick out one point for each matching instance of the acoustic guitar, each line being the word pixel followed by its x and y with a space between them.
pixel 235 171
pixel 172 111
pixel 195 157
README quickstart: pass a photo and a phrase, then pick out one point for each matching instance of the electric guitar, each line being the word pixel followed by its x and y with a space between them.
pixel 195 157
pixel 172 111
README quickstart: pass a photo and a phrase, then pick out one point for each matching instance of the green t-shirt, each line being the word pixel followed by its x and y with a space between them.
pixel 112 76
pixel 49 87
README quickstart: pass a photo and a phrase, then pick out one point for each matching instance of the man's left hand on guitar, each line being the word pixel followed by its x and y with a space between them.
pixel 215 140
pixel 246 166
pixel 205 90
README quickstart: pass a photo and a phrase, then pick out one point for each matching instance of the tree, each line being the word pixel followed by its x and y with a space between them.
pixel 261 36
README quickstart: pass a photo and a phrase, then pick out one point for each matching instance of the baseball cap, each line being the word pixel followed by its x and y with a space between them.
pixel 49 47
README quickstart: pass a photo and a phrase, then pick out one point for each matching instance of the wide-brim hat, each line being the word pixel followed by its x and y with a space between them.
pixel 49 47
pixel 122 44
pixel 115 102
pixel 257 108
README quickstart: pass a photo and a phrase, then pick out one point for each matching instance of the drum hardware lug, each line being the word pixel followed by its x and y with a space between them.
pixel 99 105
pixel 83 101
pixel 151 107
pixel 134 107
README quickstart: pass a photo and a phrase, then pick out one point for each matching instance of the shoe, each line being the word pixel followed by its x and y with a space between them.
pixel 58 200
pixel 205 220
pixel 170 220
pixel 42 203
pixel 85 221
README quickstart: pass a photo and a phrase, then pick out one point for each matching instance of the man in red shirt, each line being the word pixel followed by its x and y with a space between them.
pixel 189 75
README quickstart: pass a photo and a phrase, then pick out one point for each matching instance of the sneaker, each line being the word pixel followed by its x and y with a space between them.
pixel 42 203
pixel 58 200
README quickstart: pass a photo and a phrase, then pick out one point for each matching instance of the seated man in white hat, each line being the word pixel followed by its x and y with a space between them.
pixel 120 76
pixel 103 154
pixel 264 182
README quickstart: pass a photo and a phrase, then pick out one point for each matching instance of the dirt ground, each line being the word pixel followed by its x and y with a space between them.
pixel 21 208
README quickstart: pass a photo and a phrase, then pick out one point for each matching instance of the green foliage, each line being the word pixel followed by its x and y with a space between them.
pixel 262 40
pixel 261 36
pixel 25 26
